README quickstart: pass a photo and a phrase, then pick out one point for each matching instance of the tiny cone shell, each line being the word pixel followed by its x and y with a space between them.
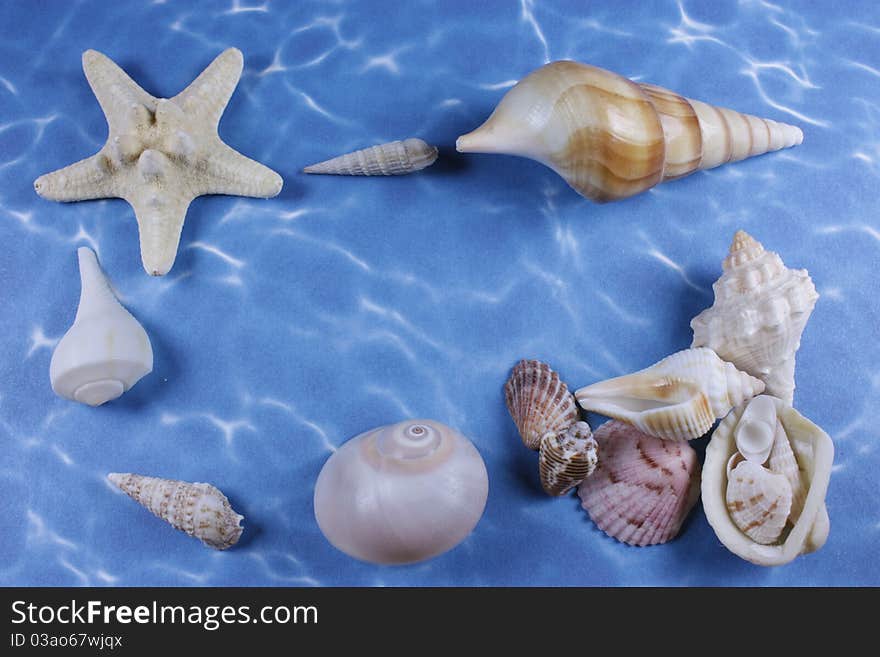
pixel 539 402
pixel 395 158
pixel 199 510
pixel 566 459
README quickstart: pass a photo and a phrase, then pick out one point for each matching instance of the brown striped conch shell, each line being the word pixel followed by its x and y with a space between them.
pixel 567 458
pixel 678 398
pixel 539 402
pixel 199 510
pixel 395 158
pixel 611 138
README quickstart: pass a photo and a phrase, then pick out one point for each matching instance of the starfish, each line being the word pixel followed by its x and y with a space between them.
pixel 161 153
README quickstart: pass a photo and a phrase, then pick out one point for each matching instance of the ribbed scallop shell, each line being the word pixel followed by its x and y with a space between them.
pixel 759 501
pixel 678 398
pixel 643 487
pixel 198 509
pixel 611 138
pixel 761 308
pixel 395 158
pixel 567 458
pixel 539 402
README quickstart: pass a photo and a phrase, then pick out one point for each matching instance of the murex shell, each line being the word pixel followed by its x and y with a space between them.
pixel 795 476
pixel 539 402
pixel 611 138
pixel 678 398
pixel 761 308
pixel 106 350
pixel 395 158
pixel 567 458
pixel 643 487
pixel 198 509
pixel 401 493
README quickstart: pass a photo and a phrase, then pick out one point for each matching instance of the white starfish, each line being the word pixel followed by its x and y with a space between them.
pixel 161 153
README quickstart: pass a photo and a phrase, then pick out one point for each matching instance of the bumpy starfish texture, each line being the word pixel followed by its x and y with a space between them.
pixel 161 153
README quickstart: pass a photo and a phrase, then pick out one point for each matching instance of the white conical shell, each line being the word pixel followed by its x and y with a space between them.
pixel 611 138
pixel 395 158
pixel 539 402
pixel 197 509
pixel 783 461
pixel 756 431
pixel 106 351
pixel 567 458
pixel 401 493
pixel 678 398
pixel 760 311
pixel 815 453
pixel 758 501
pixel 643 487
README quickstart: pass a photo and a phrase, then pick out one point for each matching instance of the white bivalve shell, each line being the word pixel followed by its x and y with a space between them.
pixel 760 311
pixel 805 529
pixel 401 493
pixel 106 351
pixel 678 398
pixel 199 510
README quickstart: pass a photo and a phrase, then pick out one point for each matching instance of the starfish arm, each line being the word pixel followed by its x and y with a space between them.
pixel 120 97
pixel 160 213
pixel 230 172
pixel 87 179
pixel 206 97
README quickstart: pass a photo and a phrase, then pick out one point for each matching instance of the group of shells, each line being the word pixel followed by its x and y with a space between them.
pixel 412 490
pixel 767 468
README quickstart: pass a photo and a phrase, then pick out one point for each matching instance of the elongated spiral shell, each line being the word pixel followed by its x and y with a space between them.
pixel 539 402
pixel 395 158
pixel 567 458
pixel 611 138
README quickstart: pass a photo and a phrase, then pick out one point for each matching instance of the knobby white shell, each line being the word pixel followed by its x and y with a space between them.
pixel 761 308
pixel 678 398
pixel 106 351
pixel 567 458
pixel 611 138
pixel 395 158
pixel 759 501
pixel 814 453
pixel 401 493
pixel 539 402
pixel 199 510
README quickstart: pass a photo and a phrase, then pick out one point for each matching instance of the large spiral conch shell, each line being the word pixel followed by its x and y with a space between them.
pixel 401 493
pixel 643 488
pixel 567 458
pixel 678 398
pixel 199 510
pixel 611 138
pixel 797 475
pixel 760 311
pixel 106 351
pixel 395 158
pixel 539 402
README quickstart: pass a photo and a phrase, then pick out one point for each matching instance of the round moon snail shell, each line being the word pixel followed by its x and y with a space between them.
pixel 401 493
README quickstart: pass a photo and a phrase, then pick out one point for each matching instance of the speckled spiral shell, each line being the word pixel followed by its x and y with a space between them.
pixel 567 458
pixel 643 487
pixel 200 510
pixel 539 402
pixel 395 158
pixel 758 501
pixel 678 398
pixel 760 311
pixel 611 138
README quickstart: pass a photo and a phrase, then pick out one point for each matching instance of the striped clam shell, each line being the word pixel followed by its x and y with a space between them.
pixel 539 402
pixel 567 458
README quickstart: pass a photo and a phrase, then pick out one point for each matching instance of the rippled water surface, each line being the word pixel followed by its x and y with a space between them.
pixel 288 326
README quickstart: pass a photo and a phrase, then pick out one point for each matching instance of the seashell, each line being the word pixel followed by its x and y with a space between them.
pixel 758 501
pixel 611 138
pixel 567 458
pixel 756 431
pixel 814 454
pixel 199 510
pixel 395 158
pixel 678 398
pixel 643 487
pixel 760 311
pixel 401 493
pixel 539 402
pixel 106 351
pixel 783 461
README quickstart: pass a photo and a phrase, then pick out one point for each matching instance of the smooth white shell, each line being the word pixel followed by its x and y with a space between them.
pixel 815 453
pixel 401 493
pixel 106 351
